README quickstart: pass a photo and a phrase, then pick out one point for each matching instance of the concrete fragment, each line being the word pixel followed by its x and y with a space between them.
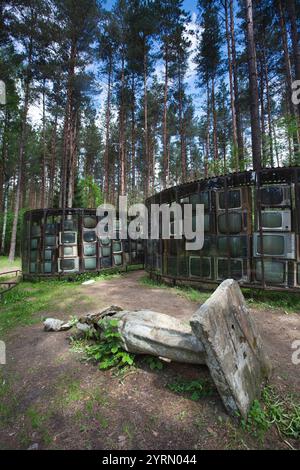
pixel 53 324
pixel 157 334
pixel 233 347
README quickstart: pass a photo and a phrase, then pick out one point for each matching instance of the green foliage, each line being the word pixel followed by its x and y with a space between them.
pixel 154 363
pixel 108 352
pixel 284 413
pixel 195 389
pixel 90 193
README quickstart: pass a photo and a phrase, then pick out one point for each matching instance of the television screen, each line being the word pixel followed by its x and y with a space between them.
pixel 68 264
pixel 274 271
pixel 106 251
pixel 68 238
pixel 106 262
pixel 271 219
pixel 47 267
pixel 117 247
pixel 200 267
pixel 34 243
pixel 50 240
pixel 90 263
pixel 273 195
pixel 47 255
pixel 232 268
pixel 236 247
pixel 33 267
pixel 69 225
pixel 35 231
pixel 118 260
pixel 273 245
pixel 89 236
pixel 233 199
pixel 50 229
pixel 200 198
pixel 89 221
pixel 234 223
pixel 105 241
pixel 33 255
pixel 66 251
pixel 89 249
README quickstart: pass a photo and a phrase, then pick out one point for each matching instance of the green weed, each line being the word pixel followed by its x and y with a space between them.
pixel 195 389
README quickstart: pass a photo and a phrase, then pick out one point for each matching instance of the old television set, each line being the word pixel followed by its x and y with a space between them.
pixel 233 197
pixel 35 230
pixel 275 271
pixel 233 246
pixel 33 268
pixel 68 251
pixel 48 255
pixel 89 221
pixel 105 241
pixel 89 236
pixel 106 262
pixel 50 229
pixel 233 268
pixel 68 238
pixel 34 243
pixel 47 267
pixel 276 220
pixel 275 196
pixel 89 249
pixel 118 259
pixel 232 222
pixel 69 225
pixel 200 267
pixel 208 246
pixel 68 265
pixel 33 255
pixel 278 245
pixel 117 246
pixel 90 264
pixel 50 240
pixel 105 251
pixel 202 197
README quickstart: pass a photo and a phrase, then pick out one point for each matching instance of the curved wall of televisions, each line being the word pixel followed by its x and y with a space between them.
pixel 64 242
pixel 251 231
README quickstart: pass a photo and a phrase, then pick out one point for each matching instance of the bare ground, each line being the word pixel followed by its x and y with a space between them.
pixel 56 401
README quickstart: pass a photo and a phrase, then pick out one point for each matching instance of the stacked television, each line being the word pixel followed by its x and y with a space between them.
pixel 59 242
pixel 274 242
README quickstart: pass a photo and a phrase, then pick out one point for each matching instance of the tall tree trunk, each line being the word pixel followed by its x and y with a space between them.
pixel 4 225
pixel 262 113
pixel 207 150
pixel 43 159
pixel 291 5
pixel 215 125
pixel 254 98
pixel 22 143
pixel 133 132
pixel 52 163
pixel 232 95
pixel 122 137
pixel 269 107
pixel 107 132
pixel 146 136
pixel 236 89
pixel 182 126
pixel 165 177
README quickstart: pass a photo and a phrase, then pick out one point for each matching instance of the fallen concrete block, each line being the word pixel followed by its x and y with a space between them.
pixel 233 347
pixel 53 324
pixel 157 334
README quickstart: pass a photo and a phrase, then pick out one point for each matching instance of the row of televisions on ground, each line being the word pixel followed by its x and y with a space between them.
pixel 274 272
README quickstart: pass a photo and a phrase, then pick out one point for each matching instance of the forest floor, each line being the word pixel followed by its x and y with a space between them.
pixel 51 398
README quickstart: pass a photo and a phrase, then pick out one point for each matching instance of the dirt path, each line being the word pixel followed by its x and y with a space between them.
pixel 53 400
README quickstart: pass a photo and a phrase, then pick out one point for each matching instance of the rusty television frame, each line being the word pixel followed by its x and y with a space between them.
pixel 63 242
pixel 264 251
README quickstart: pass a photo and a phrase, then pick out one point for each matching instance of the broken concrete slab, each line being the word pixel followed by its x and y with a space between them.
pixel 94 318
pixel 158 334
pixel 233 347
pixel 53 324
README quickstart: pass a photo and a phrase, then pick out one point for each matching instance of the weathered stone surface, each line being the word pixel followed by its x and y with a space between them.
pixel 234 349
pixel 147 332
pixel 93 318
pixel 53 324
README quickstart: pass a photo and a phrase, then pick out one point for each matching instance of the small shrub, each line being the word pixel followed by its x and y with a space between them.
pixel 196 389
pixel 154 363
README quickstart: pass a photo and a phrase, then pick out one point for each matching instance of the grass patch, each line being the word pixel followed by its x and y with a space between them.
pixel 284 413
pixel 194 389
pixel 194 295
pixel 287 301
pixel 5 265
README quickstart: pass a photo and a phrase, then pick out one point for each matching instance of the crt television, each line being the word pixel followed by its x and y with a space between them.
pixel 68 251
pixel 275 271
pixel 50 240
pixel 200 267
pixel 89 249
pixel 231 267
pixel 68 265
pixel 90 263
pixel 89 221
pixel 235 246
pixel 276 220
pixel 234 199
pixel 89 236
pixel 201 198
pixel 69 225
pixel 275 196
pixel 68 238
pixel 106 262
pixel 278 245
pixel 232 222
